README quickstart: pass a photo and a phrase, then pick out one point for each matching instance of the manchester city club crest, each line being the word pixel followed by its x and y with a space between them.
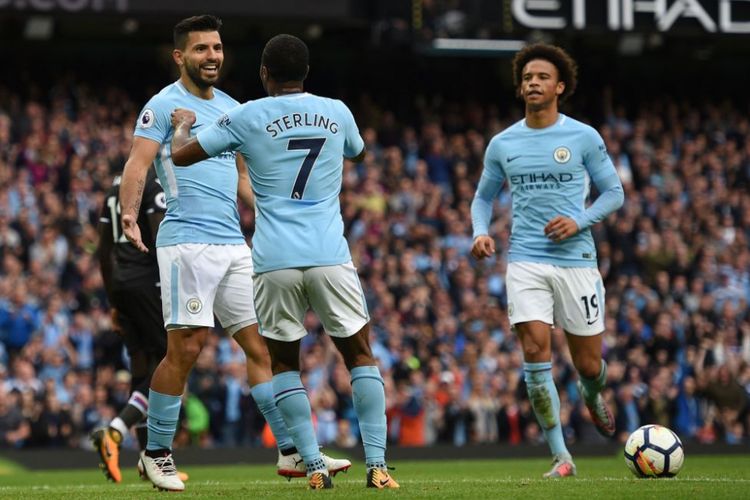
pixel 194 305
pixel 561 154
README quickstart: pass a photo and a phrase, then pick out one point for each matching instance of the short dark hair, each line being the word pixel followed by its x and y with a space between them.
pixel 286 57
pixel 567 68
pixel 205 22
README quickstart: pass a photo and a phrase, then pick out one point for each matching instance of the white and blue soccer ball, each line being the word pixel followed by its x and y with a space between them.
pixel 654 451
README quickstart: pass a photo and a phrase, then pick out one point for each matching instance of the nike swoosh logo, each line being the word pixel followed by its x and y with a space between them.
pixel 383 482
pixel 511 158
pixel 592 322
pixel 197 125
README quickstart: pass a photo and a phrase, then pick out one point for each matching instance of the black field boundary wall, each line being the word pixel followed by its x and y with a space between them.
pixel 43 459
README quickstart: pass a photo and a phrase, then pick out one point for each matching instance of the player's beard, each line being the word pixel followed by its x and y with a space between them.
pixel 194 73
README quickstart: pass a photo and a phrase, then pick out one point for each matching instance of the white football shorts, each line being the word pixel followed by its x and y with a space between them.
pixel 283 297
pixel 199 280
pixel 569 297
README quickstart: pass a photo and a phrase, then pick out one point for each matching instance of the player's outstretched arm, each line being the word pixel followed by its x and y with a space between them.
pixel 141 158
pixel 186 150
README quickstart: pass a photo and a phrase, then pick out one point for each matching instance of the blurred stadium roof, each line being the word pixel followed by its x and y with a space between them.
pixel 372 44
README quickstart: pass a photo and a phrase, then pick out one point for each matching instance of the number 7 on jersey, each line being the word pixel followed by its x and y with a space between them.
pixel 313 146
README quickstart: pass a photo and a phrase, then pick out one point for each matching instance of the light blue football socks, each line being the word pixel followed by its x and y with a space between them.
pixel 546 404
pixel 163 416
pixel 593 386
pixel 369 404
pixel 263 395
pixel 292 402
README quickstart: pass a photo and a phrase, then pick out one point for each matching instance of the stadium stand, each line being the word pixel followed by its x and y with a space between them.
pixel 675 258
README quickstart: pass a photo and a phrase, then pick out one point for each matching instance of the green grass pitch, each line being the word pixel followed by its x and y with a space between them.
pixel 703 477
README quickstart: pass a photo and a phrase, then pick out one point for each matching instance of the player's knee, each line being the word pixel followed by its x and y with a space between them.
pixel 186 354
pixel 192 352
pixel 534 352
pixel 355 352
pixel 284 356
pixel 588 366
pixel 258 356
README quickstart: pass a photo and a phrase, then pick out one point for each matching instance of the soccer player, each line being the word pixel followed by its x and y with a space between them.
pixel 131 280
pixel 295 143
pixel 205 264
pixel 552 278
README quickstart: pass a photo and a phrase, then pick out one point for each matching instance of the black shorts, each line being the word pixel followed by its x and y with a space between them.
pixel 141 320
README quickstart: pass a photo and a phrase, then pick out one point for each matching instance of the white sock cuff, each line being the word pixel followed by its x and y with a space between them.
pixel 118 425
pixel 139 401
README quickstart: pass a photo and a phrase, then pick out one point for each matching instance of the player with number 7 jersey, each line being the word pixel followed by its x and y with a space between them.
pixel 294 144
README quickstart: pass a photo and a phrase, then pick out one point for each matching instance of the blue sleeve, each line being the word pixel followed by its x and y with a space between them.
pixel 154 122
pixel 605 178
pixel 226 134
pixel 353 143
pixel 493 177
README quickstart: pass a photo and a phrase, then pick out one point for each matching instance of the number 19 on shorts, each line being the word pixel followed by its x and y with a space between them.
pixel 591 305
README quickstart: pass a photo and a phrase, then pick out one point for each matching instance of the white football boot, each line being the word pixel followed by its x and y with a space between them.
pixel 162 472
pixel 290 466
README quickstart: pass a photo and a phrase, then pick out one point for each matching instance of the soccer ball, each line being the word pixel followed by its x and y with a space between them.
pixel 654 451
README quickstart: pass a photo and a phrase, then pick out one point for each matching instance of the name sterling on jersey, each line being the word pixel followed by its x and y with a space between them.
pixel 293 120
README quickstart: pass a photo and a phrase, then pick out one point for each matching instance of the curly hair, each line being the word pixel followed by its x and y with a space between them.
pixel 567 68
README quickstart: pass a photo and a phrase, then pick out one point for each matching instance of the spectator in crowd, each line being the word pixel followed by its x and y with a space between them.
pixel 14 428
pixel 19 318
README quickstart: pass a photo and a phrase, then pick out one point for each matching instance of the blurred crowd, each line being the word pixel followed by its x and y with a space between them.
pixel 675 259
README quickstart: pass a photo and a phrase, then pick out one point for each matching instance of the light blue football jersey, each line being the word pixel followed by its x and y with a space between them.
pixel 294 147
pixel 201 199
pixel 549 172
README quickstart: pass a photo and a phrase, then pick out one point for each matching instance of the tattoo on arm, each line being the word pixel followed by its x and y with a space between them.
pixel 139 187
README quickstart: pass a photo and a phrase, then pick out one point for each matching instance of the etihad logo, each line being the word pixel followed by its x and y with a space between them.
pixel 714 16
pixel 540 181
pixel 545 177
